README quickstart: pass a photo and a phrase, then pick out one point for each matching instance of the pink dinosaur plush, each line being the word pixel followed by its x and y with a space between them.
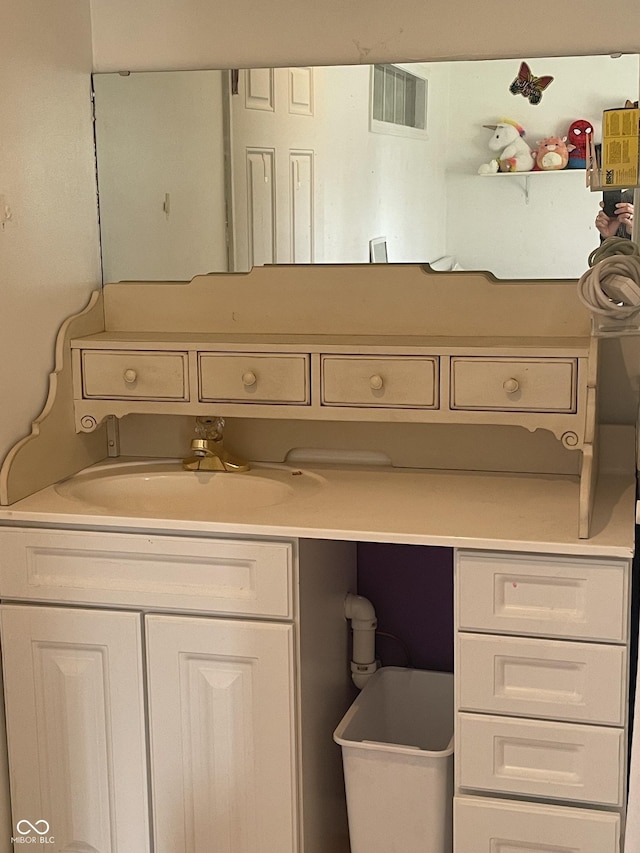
pixel 553 153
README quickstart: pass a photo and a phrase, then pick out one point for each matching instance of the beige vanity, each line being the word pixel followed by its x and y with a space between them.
pixel 188 643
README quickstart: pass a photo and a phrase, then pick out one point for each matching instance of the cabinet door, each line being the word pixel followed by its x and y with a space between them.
pixel 222 735
pixel 483 825
pixel 75 723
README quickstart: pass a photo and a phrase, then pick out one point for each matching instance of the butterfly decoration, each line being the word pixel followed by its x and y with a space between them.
pixel 528 85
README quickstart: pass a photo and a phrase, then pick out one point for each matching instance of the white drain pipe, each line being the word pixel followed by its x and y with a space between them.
pixel 361 612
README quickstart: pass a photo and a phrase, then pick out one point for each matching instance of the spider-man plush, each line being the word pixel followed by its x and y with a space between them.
pixel 578 135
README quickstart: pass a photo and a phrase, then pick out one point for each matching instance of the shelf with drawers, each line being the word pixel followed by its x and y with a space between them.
pixel 323 378
pixel 541 698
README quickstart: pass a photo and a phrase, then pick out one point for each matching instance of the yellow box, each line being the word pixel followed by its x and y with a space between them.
pixel 620 147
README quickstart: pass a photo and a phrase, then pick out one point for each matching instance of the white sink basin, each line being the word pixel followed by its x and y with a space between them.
pixel 165 489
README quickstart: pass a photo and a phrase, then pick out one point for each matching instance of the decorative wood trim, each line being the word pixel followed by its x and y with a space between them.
pixel 356 299
pixel 59 451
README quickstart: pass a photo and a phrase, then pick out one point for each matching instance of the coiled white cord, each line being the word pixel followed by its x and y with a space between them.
pixel 611 287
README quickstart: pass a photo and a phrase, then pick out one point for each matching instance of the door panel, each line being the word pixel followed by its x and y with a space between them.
pixel 222 735
pixel 75 721
pixel 275 132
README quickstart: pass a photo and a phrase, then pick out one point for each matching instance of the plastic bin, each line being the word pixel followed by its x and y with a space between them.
pixel 397 754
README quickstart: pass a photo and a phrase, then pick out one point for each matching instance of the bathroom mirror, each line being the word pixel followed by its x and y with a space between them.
pixel 206 171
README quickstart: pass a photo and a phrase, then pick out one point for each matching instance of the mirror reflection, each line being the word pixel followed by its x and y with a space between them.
pixel 208 171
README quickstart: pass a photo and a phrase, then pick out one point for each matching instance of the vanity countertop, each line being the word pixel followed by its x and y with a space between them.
pixel 523 512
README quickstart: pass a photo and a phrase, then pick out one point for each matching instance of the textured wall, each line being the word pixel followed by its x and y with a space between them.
pixel 49 249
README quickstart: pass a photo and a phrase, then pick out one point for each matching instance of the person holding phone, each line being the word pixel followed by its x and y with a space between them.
pixel 615 219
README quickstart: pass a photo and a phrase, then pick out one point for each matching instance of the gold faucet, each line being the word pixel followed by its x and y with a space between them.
pixel 208 452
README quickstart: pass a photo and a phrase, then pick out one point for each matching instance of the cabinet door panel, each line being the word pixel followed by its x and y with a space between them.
pixel 222 735
pixel 75 722
pixel 485 825
pixel 561 761
pixel 547 595
pixel 165 572
pixel 562 680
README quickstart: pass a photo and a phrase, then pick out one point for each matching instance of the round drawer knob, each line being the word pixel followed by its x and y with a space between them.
pixel 511 386
pixel 249 378
pixel 130 376
pixel 376 382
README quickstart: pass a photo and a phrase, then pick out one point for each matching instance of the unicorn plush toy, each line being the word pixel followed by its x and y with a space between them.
pixel 514 155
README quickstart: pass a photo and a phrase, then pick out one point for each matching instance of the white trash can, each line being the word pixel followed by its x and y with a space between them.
pixel 397 754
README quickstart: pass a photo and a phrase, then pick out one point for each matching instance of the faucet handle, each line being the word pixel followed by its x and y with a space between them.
pixel 209 429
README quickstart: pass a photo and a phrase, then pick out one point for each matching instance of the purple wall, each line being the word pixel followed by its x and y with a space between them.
pixel 411 588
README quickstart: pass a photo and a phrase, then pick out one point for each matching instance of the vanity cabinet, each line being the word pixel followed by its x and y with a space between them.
pixel 229 670
pixel 215 668
pixel 541 701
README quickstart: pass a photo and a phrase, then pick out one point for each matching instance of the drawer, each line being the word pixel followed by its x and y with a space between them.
pixel 544 595
pixel 254 378
pixel 226 576
pixel 497 826
pixel 386 381
pixel 536 758
pixel 509 384
pixel 134 375
pixel 582 682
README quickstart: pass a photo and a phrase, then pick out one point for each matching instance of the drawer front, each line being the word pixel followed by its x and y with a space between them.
pixel 582 682
pixel 544 595
pixel 520 385
pixel 498 826
pixel 251 578
pixel 254 378
pixel 134 375
pixel 535 758
pixel 392 382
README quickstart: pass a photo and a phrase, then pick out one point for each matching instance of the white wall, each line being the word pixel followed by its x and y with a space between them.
pixel 491 224
pixel 157 34
pixel 49 250
pixel 159 135
pixel 382 185
pixel 49 258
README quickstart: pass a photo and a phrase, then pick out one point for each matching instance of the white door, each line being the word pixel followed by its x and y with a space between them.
pixel 75 723
pixel 222 735
pixel 274 136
